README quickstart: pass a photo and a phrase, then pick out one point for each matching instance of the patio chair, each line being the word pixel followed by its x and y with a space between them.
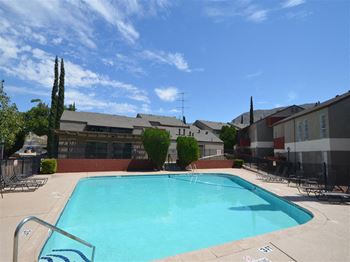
pixel 13 185
pixel 264 175
pixel 313 188
pixel 296 178
pixel 279 178
pixel 22 177
pixel 336 196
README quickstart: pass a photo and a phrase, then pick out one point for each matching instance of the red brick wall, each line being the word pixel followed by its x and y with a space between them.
pixel 93 165
pixel 214 163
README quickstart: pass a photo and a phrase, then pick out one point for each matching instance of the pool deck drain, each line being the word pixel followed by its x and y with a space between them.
pixel 325 238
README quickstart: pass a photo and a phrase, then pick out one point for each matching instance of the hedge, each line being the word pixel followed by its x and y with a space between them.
pixel 48 166
pixel 187 150
pixel 238 163
pixel 156 143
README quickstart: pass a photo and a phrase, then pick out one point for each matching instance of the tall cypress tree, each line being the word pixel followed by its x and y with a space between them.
pixel 251 113
pixel 60 102
pixel 60 106
pixel 241 119
pixel 53 112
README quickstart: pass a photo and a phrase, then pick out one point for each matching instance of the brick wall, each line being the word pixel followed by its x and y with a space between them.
pixel 214 164
pixel 95 165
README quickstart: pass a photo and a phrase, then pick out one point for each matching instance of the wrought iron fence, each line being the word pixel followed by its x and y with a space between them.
pixel 24 166
pixel 325 173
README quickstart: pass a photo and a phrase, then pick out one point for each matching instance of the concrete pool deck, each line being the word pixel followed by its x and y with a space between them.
pixel 325 238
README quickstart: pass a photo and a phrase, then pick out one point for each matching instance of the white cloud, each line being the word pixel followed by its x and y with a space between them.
pixel 57 40
pixel 26 91
pixel 90 101
pixel 292 3
pixel 66 19
pixel 221 10
pixel 168 94
pixel 253 75
pixel 257 16
pixel 115 16
pixel 128 64
pixel 174 111
pixel 36 65
pixel 161 57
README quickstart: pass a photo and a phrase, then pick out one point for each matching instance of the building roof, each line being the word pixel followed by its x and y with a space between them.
pixel 97 119
pixel 239 125
pixel 278 112
pixel 162 120
pixel 170 124
pixel 212 124
pixel 318 106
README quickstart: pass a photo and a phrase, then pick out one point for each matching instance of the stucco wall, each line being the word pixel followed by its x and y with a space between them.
pixel 339 119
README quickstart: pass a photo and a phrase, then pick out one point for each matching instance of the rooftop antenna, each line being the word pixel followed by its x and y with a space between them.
pixel 182 100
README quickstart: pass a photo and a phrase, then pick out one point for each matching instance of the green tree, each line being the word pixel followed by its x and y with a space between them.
pixel 156 143
pixel 251 112
pixel 70 107
pixel 51 141
pixel 37 119
pixel 60 101
pixel 11 123
pixel 228 136
pixel 187 150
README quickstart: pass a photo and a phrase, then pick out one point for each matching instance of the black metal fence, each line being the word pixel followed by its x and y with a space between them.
pixel 323 172
pixel 23 166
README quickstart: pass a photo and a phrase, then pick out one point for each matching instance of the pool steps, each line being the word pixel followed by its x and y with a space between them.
pixel 66 257
pixel 58 230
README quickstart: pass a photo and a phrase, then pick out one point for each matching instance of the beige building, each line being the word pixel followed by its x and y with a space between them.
pixel 95 135
pixel 257 139
pixel 318 138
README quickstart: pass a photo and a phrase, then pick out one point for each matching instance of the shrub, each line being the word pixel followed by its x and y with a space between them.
pixel 187 150
pixel 228 136
pixel 48 166
pixel 238 163
pixel 156 143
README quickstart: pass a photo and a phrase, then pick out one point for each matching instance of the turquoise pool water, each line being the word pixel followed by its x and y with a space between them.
pixel 140 218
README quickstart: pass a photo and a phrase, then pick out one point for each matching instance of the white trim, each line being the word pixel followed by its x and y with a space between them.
pixel 261 144
pixel 325 144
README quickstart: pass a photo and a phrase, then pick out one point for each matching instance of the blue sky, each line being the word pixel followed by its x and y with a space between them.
pixel 128 56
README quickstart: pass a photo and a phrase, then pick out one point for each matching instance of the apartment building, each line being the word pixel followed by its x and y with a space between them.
pixel 209 143
pixel 95 135
pixel 318 138
pixel 257 138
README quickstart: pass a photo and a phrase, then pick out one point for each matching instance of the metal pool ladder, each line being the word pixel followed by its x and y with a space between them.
pixel 53 228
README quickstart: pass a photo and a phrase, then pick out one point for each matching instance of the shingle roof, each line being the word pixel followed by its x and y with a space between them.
pixel 212 124
pixel 316 107
pixel 239 125
pixel 97 119
pixel 162 120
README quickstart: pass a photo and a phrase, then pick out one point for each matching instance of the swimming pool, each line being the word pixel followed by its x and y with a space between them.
pixel 138 218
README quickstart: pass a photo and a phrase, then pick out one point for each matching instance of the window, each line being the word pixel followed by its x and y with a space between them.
pixel 95 149
pixel 306 129
pixel 300 131
pixel 323 126
pixel 122 150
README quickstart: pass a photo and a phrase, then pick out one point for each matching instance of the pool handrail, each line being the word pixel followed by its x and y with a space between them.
pixel 53 228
